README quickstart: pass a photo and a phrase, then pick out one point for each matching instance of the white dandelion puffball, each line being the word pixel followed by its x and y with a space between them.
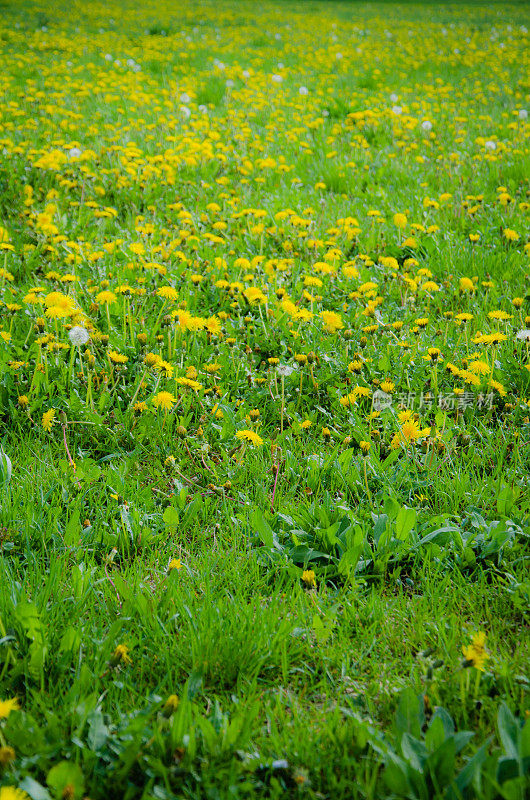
pixel 78 335
pixel 303 90
pixel 397 110
pixel 489 145
pixel 426 125
pixel 523 113
pixel 74 152
pixel 184 97
pixel 524 335
pixel 394 98
pixel 277 78
pixel 184 110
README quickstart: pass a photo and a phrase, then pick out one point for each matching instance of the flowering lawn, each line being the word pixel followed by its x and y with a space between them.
pixel 264 400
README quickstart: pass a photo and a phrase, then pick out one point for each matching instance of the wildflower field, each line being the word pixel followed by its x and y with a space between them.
pixel 264 400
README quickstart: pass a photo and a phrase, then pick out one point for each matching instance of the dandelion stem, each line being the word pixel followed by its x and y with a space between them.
pixel 366 483
pixel 275 483
pixel 135 395
pixel 283 403
pixel 70 366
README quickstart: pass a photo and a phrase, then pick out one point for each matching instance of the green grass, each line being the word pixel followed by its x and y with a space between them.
pixel 189 613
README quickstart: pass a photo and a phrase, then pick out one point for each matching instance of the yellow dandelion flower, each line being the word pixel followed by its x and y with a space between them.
pixel 171 705
pixel 120 656
pixel 332 321
pixel 7 755
pixel 7 706
pixel 499 314
pixel 48 418
pixel 475 653
pixel 250 436
pixel 466 285
pixel 117 358
pixel 309 578
pixel 164 400
pixel 479 367
pixel 498 387
pixel 151 359
pixel 106 298
pixel 489 338
pixel 408 433
pixel 12 793
pixel 165 367
pixel 168 293
pixel 400 221
pixel 191 384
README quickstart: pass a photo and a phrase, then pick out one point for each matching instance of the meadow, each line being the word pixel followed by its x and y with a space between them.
pixel 264 400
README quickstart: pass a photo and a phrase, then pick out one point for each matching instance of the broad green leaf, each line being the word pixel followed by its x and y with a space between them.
pixel 440 418
pixel 410 715
pixel 440 536
pixel 380 523
pixel 471 772
pixel 508 731
pixel 193 684
pixel 97 730
pixel 266 534
pixel 322 628
pixel 28 615
pixel 524 742
pixel 461 739
pixel 446 720
pixel 391 507
pixel 413 751
pixel 171 517
pixel 405 521
pixel 350 559
pixel 72 529
pixel 35 790
pixel 435 734
pixel 5 468
pixel 507 770
pixel 70 641
pixel 193 509
pixel 506 499
pixel 37 655
pixel 395 777
pixel 389 460
pixel 64 774
pixel 441 763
